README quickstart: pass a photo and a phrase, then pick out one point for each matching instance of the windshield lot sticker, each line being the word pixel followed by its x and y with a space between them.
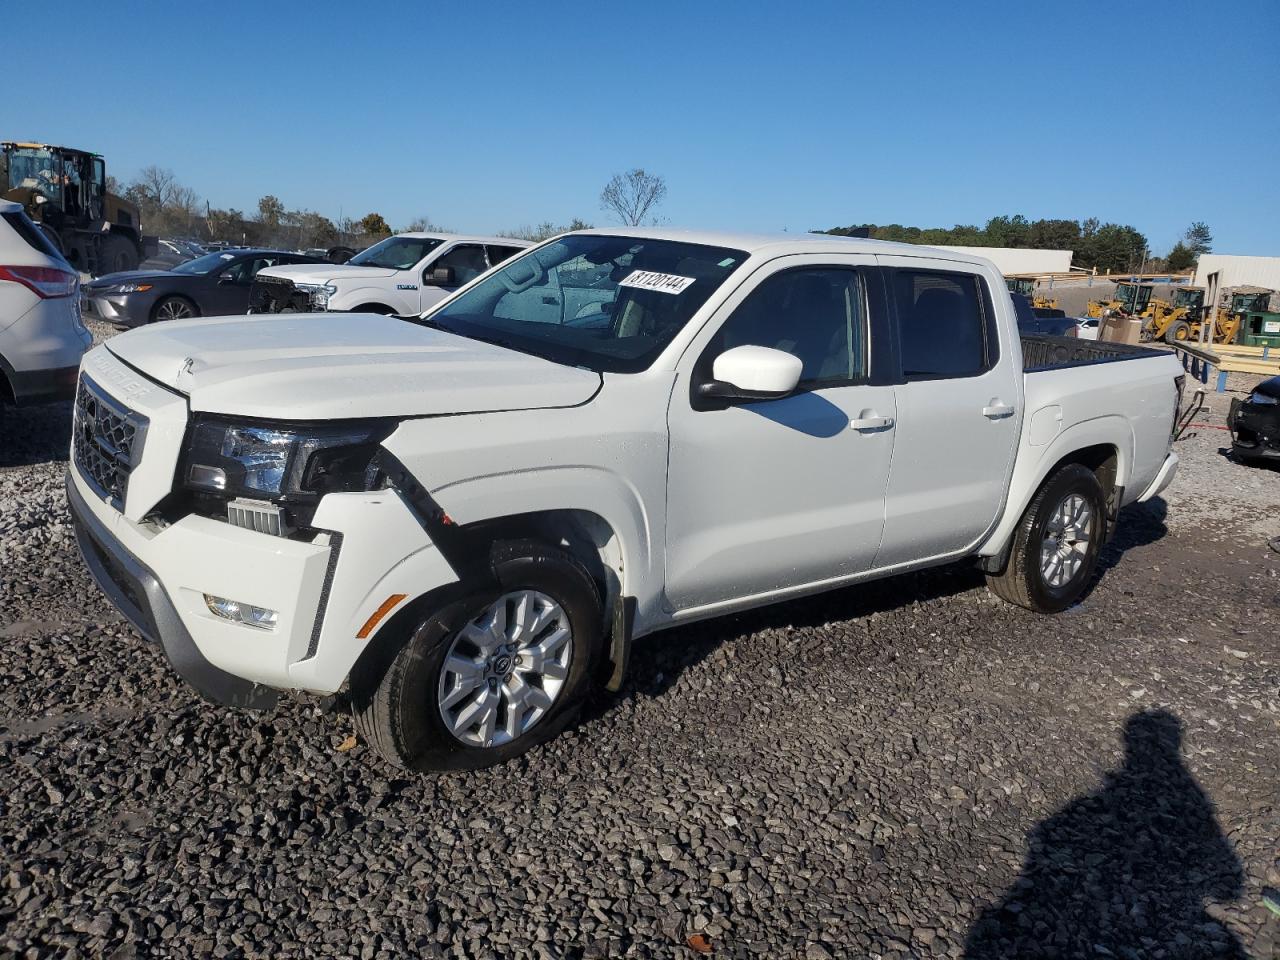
pixel 662 282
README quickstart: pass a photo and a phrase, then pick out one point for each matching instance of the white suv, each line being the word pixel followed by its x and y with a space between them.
pixel 403 275
pixel 41 335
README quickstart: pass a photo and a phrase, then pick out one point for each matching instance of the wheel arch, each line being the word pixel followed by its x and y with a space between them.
pixel 373 307
pixel 1104 445
pixel 155 307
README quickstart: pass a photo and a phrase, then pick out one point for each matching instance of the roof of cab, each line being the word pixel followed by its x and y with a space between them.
pixel 506 241
pixel 782 244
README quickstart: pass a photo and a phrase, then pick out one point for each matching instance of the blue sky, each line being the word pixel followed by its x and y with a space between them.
pixel 762 116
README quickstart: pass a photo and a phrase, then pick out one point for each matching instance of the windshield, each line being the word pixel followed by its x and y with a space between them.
pixel 206 264
pixel 1188 298
pixel 395 253
pixel 606 303
pixel 33 169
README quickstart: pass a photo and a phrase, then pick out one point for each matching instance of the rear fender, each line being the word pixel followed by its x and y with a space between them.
pixel 1031 470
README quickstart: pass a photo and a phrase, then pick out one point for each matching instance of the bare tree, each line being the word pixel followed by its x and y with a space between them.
pixel 155 185
pixel 424 224
pixel 632 195
pixel 545 229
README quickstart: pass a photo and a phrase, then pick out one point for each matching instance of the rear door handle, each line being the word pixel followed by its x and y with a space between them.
pixel 997 410
pixel 869 421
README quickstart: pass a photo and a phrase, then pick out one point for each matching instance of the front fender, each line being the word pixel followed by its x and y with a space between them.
pixel 1035 463
pixel 580 487
pixel 397 300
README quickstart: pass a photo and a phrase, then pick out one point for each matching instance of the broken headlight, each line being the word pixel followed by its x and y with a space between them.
pixel 287 463
pixel 318 294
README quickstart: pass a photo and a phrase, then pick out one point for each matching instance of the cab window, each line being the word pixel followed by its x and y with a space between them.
pixel 467 261
pixel 815 313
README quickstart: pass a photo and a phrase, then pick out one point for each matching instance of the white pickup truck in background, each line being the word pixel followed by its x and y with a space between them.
pixel 468 517
pixel 404 275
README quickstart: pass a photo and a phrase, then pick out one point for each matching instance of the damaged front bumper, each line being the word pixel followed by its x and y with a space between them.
pixel 1255 430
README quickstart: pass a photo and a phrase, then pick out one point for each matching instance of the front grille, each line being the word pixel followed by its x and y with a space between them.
pixel 106 441
pixel 276 295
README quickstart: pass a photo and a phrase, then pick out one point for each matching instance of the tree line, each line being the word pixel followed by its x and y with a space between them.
pixel 1104 247
pixel 169 208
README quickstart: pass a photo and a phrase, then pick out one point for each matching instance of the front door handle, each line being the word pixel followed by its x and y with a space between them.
pixel 869 420
pixel 996 410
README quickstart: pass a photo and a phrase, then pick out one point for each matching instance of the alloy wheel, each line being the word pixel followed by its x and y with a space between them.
pixel 504 670
pixel 1066 541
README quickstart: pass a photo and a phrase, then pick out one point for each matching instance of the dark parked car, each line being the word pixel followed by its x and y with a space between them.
pixel 213 285
pixel 169 253
pixel 1255 423
pixel 1042 319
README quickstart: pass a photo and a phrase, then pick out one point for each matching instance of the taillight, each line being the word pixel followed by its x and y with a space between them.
pixel 45 282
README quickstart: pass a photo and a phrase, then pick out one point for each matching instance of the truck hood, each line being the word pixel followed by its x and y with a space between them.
pixel 328 366
pixel 320 272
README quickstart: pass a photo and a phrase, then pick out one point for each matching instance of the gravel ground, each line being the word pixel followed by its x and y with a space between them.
pixel 907 769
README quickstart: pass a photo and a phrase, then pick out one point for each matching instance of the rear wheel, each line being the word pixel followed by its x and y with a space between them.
pixel 118 255
pixel 1179 332
pixel 174 308
pixel 482 679
pixel 1056 545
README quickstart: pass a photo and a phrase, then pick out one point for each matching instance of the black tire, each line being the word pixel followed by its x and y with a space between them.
pixel 1023 582
pixel 174 308
pixel 118 255
pixel 395 697
pixel 1179 332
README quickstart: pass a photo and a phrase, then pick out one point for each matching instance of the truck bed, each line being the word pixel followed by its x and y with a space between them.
pixel 1041 351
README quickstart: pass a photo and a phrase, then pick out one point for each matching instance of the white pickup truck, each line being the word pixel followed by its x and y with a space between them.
pixel 402 275
pixel 468 517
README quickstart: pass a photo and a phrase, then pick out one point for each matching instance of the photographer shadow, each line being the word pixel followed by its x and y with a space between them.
pixel 1123 871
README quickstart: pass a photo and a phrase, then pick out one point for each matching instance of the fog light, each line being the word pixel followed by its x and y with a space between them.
pixel 244 613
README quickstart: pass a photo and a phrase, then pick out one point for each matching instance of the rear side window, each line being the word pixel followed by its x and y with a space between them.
pixel 29 232
pixel 944 324
pixel 498 254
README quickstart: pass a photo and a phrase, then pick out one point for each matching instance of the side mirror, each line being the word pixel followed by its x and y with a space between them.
pixel 752 373
pixel 441 277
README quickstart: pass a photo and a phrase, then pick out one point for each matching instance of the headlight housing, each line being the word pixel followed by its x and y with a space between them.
pixel 1263 399
pixel 293 464
pixel 318 294
pixel 130 288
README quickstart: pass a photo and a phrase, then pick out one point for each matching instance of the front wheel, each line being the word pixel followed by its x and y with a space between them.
pixel 484 678
pixel 1179 332
pixel 1056 546
pixel 174 308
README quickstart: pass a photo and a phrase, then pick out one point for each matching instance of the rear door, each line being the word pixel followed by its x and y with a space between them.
pixel 957 401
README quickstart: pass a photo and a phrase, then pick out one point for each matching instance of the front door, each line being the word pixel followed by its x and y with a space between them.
pixel 767 496
pixel 465 261
pixel 957 411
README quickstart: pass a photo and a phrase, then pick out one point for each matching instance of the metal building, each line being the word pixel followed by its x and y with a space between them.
pixel 1010 260
pixel 1218 273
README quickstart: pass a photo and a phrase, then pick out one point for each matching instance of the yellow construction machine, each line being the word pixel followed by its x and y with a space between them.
pixel 1182 320
pixel 1027 287
pixel 1129 299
